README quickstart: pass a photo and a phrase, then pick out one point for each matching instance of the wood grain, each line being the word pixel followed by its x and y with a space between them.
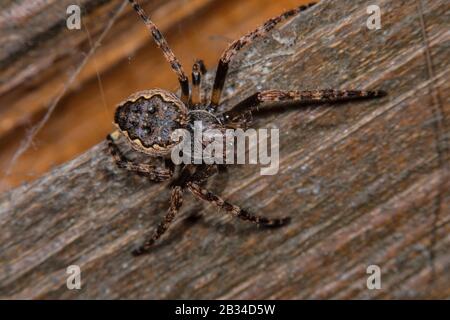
pixel 365 183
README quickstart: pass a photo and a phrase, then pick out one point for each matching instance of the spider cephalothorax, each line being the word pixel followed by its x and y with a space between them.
pixel 148 118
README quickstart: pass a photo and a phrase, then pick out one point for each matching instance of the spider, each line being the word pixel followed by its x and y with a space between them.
pixel 148 118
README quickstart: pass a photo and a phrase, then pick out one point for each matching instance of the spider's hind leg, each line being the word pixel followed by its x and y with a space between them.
pixel 234 210
pixel 176 200
pixel 150 171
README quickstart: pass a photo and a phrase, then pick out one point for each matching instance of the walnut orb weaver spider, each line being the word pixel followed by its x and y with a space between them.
pixel 147 119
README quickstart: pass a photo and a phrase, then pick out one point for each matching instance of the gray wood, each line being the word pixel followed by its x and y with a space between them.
pixel 365 183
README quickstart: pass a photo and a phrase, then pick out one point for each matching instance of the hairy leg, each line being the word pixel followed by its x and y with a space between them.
pixel 307 96
pixel 168 53
pixel 233 48
pixel 234 210
pixel 150 171
pixel 176 200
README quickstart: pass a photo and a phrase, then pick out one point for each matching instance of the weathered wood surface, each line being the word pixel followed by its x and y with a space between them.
pixel 365 183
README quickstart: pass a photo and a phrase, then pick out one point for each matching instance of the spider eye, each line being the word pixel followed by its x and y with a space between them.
pixel 151 109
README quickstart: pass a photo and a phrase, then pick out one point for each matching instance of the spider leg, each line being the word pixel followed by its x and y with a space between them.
pixel 234 210
pixel 198 69
pixel 176 200
pixel 308 96
pixel 198 174
pixel 233 48
pixel 150 171
pixel 168 53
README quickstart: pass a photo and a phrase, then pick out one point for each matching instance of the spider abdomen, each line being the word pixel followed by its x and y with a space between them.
pixel 148 119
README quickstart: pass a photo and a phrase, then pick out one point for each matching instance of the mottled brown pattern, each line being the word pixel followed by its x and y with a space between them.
pixel 148 118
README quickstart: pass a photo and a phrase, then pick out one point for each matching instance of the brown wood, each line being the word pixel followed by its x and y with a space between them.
pixel 365 183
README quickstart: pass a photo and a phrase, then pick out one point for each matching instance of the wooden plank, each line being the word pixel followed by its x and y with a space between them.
pixel 365 183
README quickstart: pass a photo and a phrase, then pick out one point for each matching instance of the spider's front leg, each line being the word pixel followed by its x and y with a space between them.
pixel 233 49
pixel 232 209
pixel 301 97
pixel 168 53
pixel 150 171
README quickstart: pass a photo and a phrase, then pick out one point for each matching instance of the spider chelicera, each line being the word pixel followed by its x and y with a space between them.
pixel 148 118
